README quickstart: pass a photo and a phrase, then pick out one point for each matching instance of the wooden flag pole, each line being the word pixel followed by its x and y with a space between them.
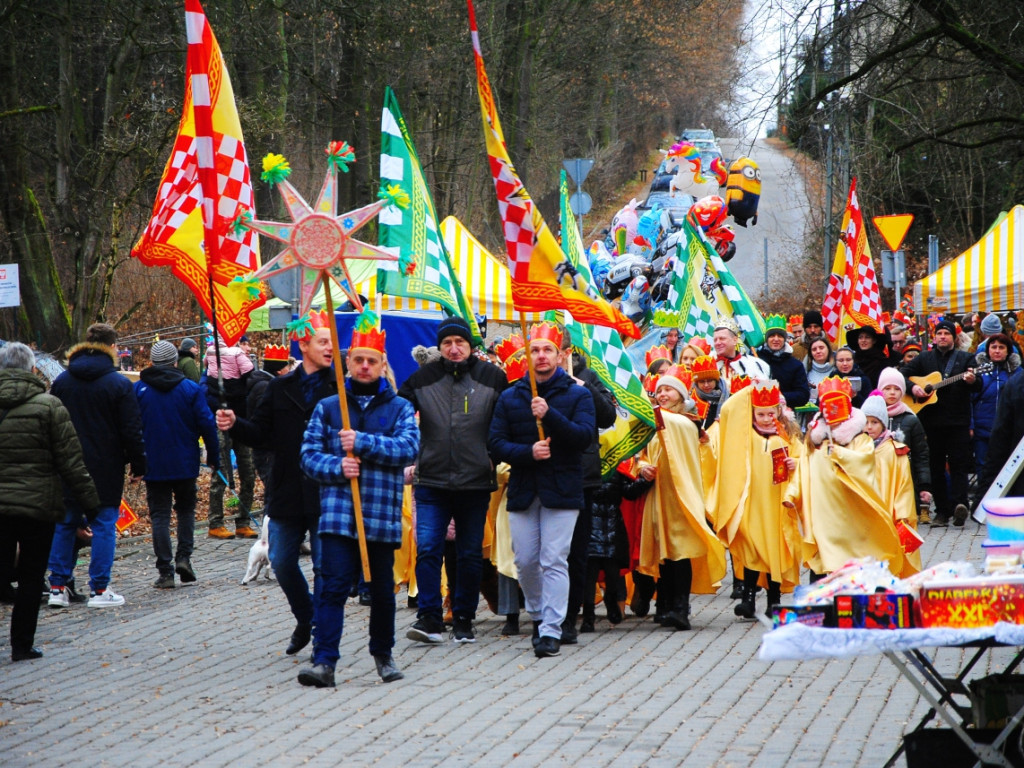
pixel 357 503
pixel 529 365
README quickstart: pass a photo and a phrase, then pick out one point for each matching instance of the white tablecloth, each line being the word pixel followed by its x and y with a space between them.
pixel 795 642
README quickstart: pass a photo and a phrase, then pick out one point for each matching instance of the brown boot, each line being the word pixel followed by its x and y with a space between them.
pixel 221 532
pixel 245 532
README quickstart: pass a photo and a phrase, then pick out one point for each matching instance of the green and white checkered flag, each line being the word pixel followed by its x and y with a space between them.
pixel 414 231
pixel 687 307
pixel 744 311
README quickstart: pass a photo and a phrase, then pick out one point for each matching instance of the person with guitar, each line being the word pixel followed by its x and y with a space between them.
pixel 947 423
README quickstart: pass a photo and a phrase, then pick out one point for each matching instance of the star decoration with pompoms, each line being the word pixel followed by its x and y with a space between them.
pixel 318 240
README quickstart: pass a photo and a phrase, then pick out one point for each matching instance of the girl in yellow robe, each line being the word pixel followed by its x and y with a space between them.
pixel 676 544
pixel 893 474
pixel 762 534
pixel 843 515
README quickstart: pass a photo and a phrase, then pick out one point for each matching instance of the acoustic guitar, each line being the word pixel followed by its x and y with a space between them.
pixel 934 381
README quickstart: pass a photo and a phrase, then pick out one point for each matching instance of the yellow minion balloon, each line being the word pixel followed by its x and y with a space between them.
pixel 744 190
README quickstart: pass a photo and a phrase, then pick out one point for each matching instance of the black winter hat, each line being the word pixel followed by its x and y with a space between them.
pixel 454 326
pixel 812 317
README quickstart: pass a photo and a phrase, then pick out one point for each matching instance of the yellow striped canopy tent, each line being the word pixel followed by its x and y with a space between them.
pixel 485 280
pixel 987 277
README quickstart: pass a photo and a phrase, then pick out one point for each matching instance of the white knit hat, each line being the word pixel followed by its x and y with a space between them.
pixel 875 407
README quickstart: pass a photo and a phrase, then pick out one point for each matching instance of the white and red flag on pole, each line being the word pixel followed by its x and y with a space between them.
pixel 851 299
pixel 205 184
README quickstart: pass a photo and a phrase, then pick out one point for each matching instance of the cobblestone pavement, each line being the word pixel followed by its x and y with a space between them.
pixel 198 676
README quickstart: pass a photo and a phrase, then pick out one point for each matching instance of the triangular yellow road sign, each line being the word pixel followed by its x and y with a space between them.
pixel 893 228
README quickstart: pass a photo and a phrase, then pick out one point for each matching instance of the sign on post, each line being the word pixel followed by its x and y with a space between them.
pixel 10 288
pixel 578 168
pixel 580 203
pixel 893 228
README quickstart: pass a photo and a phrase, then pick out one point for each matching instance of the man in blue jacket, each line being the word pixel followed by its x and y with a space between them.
pixel 382 440
pixel 105 413
pixel 174 416
pixel 545 490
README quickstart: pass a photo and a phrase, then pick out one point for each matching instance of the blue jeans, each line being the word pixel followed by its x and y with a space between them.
pixel 158 497
pixel 435 508
pixel 104 538
pixel 285 537
pixel 340 567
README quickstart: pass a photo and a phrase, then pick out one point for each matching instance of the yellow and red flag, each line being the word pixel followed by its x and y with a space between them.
pixel 851 299
pixel 205 184
pixel 543 277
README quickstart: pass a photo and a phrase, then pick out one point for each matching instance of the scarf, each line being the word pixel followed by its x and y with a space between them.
pixel 883 437
pixel 897 408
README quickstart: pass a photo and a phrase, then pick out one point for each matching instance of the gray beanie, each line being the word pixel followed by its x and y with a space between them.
pixel 188 344
pixel 991 325
pixel 163 353
pixel 875 406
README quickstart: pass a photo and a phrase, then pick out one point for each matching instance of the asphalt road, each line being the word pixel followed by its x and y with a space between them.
pixel 782 217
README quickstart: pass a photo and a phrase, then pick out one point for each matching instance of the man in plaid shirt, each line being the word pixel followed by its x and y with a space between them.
pixel 382 441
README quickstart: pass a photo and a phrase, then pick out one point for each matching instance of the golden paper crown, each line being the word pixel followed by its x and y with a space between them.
pixel 660 352
pixel 704 368
pixel 507 347
pixel 766 394
pixel 516 368
pixel 367 334
pixel 736 383
pixel 548 332
pixel 834 399
pixel 276 352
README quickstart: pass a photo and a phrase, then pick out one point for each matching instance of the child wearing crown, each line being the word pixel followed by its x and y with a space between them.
pixel 843 514
pixel 676 544
pixel 762 534
pixel 893 474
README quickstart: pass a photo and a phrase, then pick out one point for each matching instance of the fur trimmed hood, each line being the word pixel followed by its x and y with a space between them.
pixel 95 347
pixel 842 433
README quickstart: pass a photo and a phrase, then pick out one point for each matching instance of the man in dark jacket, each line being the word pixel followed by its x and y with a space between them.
pixel 604 411
pixel 1007 431
pixel 947 422
pixel 455 397
pixel 786 369
pixel 38 449
pixel 293 500
pixel 545 489
pixel 275 363
pixel 174 416
pixel 105 413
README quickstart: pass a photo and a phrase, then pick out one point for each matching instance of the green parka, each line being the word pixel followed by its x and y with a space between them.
pixel 38 449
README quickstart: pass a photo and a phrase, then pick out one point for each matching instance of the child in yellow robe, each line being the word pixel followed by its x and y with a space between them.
pixel 892 474
pixel 676 544
pixel 762 534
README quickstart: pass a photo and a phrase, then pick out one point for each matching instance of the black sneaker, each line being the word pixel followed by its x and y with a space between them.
pixel 960 515
pixel 462 631
pixel 183 567
pixel 547 646
pixel 426 630
pixel 364 598
pixel 166 581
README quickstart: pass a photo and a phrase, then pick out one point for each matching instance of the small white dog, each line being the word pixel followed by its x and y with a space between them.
pixel 259 556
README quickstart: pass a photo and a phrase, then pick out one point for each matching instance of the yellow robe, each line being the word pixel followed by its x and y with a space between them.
pixel 896 485
pixel 497 519
pixel 843 515
pixel 405 556
pixel 674 525
pixel 762 534
pixel 709 451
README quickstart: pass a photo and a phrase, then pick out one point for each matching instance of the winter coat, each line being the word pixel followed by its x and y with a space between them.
pixel 789 372
pixel 608 533
pixel 906 428
pixel 872 361
pixel 387 442
pixel 865 383
pixel 1007 432
pixel 257 385
pixel 278 426
pixel 38 449
pixel 953 407
pixel 174 417
pixel 604 414
pixel 983 402
pixel 455 402
pixel 569 422
pixel 188 365
pixel 233 362
pixel 106 416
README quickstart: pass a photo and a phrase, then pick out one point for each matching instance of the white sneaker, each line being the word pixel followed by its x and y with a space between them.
pixel 58 598
pixel 108 598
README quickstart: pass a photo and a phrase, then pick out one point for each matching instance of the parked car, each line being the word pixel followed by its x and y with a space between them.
pixel 693 135
pixel 677 206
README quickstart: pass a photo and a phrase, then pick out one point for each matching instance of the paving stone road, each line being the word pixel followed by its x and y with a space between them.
pixel 198 676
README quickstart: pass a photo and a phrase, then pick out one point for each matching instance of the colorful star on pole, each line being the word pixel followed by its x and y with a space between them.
pixel 318 240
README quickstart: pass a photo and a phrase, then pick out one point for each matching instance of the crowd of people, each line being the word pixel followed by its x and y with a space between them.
pixel 483 470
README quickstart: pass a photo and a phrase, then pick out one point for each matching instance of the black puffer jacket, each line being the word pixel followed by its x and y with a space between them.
pixel 906 428
pixel 106 416
pixel 608 535
pixel 38 449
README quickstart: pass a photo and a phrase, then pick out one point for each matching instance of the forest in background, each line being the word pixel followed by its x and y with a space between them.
pixel 91 93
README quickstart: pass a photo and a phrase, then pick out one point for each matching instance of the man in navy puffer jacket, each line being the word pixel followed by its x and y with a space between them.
pixel 545 490
pixel 174 416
